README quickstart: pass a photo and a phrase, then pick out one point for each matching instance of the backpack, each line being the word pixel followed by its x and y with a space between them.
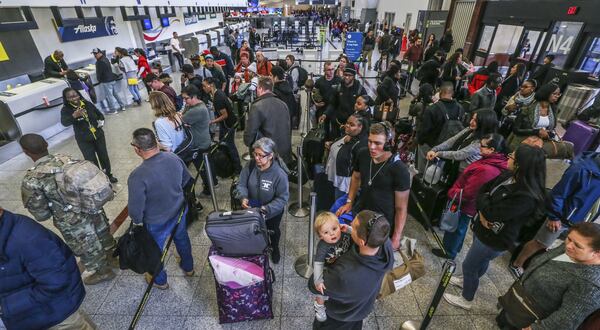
pixel 220 155
pixel 302 76
pixel 451 126
pixel 83 186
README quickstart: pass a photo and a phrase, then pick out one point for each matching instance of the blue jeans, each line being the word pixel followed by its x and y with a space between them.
pixel 133 89
pixel 160 233
pixel 230 141
pixel 339 193
pixel 111 95
pixel 453 242
pixel 475 265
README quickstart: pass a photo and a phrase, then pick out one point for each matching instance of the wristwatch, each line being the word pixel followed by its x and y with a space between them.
pixel 348 201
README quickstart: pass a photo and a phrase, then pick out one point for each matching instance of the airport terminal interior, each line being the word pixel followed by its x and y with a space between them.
pixel 121 57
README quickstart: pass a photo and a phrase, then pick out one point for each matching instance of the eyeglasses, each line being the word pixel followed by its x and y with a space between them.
pixel 259 156
pixel 511 155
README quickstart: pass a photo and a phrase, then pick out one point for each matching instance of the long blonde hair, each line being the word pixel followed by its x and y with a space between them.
pixel 163 106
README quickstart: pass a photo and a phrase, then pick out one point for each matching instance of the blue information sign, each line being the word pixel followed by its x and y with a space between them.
pixel 353 48
pixel 92 28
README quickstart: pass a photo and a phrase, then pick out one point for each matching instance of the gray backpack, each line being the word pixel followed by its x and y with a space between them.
pixel 451 126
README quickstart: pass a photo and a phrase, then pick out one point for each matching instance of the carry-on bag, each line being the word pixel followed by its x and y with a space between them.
pixel 245 303
pixel 386 111
pixel 430 193
pixel 450 216
pixel 238 233
pixel 313 147
pixel 581 135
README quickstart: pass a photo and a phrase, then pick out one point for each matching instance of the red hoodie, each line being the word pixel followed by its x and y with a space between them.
pixel 474 176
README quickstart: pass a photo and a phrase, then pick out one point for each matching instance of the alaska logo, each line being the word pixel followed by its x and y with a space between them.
pixel 153 34
pixel 85 28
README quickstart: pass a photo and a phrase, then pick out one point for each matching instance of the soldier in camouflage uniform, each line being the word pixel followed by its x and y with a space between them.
pixel 87 235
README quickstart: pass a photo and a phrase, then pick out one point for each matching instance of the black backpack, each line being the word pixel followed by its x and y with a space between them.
pixel 313 148
pixel 221 156
pixel 451 126
pixel 302 76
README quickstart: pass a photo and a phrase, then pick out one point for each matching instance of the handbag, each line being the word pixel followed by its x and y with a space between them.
pixel 138 251
pixel 399 277
pixel 132 81
pixel 449 218
pixel 520 309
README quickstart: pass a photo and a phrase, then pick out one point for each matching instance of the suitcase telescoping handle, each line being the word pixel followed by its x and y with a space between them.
pixel 437 162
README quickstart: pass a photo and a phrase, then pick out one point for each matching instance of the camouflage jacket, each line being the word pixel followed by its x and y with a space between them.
pixel 39 190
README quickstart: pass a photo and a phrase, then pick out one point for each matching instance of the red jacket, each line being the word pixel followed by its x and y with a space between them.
pixel 474 176
pixel 477 82
pixel 143 63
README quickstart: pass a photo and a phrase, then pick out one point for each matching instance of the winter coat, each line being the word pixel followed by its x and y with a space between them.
pixel 283 91
pixel 387 90
pixel 429 72
pixel 477 81
pixel 483 99
pixel 525 121
pixel 565 291
pixel 40 283
pixel 414 54
pixel 343 102
pixel 578 189
pixel 270 117
pixel 104 72
pixel 462 147
pixel 474 176
pixel 509 206
pixel 433 119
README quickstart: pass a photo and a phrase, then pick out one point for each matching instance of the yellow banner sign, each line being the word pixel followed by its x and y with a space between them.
pixel 3 55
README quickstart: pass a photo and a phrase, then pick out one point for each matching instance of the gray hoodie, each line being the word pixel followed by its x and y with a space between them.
pixel 270 187
pixel 568 292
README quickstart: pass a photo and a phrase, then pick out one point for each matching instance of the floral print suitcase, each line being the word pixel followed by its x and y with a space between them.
pixel 248 303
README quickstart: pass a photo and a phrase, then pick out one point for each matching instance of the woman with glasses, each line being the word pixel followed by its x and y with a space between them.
pixel 539 120
pixel 503 206
pixel 522 99
pixel 463 148
pixel 264 184
pixel 493 162
pixel 87 123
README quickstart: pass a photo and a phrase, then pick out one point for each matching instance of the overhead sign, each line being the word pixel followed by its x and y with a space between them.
pixel 102 27
pixel 213 15
pixel 354 41
pixel 202 17
pixel 190 19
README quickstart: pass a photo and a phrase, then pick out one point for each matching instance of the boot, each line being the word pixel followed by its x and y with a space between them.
pixel 101 275
pixel 112 262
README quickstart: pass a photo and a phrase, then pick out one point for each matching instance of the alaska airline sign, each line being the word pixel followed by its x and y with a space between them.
pixel 92 28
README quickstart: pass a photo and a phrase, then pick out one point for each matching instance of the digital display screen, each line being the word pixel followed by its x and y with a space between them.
pixel 147 24
pixel 164 21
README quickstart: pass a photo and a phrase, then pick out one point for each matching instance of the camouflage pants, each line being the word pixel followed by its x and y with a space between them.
pixel 88 236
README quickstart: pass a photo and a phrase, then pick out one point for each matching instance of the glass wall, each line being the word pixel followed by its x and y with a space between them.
pixel 591 60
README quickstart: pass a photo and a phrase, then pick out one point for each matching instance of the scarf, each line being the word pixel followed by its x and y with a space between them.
pixel 524 100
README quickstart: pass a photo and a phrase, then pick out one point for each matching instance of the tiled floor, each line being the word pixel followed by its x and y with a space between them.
pixel 190 302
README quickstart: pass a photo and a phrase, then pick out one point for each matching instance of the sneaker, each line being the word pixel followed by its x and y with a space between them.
pixel 456 281
pixel 440 253
pixel 275 256
pixel 320 313
pixel 148 278
pixel 112 179
pixel 516 271
pixel 110 112
pixel 139 102
pixel 458 301
pixel 104 274
pixel 121 109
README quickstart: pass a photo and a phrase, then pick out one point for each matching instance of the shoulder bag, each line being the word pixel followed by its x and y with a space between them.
pixel 450 216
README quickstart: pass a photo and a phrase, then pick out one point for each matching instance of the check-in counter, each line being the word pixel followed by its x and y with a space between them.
pixel 213 37
pixel 100 95
pixel 202 41
pixel 220 35
pixel 31 108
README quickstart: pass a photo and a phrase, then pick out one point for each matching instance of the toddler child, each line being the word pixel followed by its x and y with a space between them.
pixel 335 241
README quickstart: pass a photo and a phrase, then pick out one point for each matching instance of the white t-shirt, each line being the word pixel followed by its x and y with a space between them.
pixel 543 122
pixel 175 45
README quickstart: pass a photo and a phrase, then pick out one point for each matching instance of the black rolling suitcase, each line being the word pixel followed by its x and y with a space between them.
pixel 238 233
pixel 430 196
pixel 313 147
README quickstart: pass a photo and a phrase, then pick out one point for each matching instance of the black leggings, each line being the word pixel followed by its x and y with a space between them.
pixel 274 231
pixel 90 149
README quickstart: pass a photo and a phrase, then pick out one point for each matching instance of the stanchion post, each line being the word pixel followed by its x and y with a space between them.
pixel 298 209
pixel 211 184
pixel 304 264
pixel 447 271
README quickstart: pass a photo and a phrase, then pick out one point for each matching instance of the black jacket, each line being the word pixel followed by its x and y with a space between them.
pixel 387 90
pixel 343 102
pixel 540 74
pixel 434 118
pixel 104 72
pixel 353 282
pixel 81 127
pixel 450 72
pixel 430 72
pixel 327 88
pixel 283 91
pixel 52 69
pixel 509 206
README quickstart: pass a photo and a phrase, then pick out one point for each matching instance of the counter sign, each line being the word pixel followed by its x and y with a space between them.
pixel 573 10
